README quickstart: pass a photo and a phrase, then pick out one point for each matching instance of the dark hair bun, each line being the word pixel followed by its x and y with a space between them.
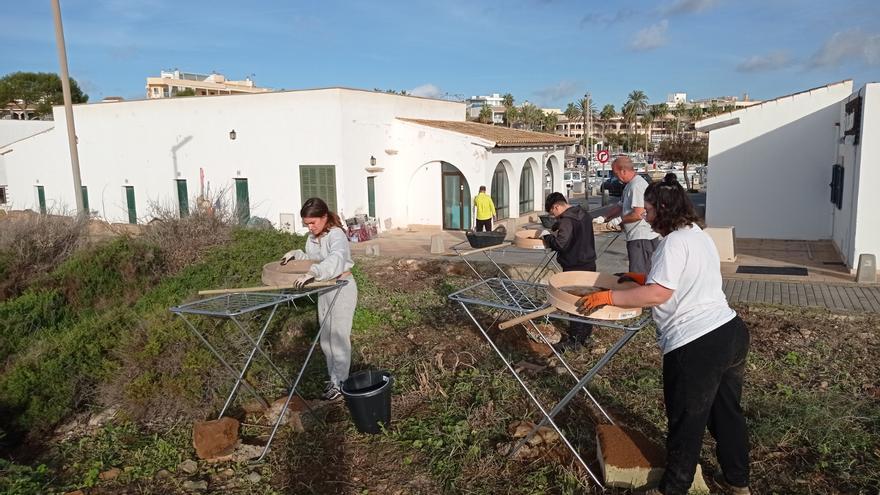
pixel 670 180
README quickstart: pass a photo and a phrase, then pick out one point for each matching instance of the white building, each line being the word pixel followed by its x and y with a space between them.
pixel 771 165
pixel 171 82
pixel 268 152
pixel 495 102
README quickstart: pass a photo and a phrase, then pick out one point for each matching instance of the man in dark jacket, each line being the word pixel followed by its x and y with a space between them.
pixel 575 247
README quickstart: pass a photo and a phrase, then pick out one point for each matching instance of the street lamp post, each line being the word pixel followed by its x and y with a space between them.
pixel 68 109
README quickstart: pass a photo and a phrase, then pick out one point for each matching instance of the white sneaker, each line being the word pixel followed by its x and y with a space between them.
pixel 331 392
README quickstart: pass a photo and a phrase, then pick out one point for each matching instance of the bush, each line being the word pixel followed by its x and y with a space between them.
pixel 31 245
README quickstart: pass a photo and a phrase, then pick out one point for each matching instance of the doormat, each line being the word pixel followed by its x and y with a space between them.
pixel 835 263
pixel 797 271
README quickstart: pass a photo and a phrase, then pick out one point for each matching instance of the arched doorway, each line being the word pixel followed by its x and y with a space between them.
pixel 500 192
pixel 456 198
pixel 526 190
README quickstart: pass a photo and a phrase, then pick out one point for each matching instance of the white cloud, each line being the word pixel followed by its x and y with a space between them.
pixel 557 92
pixel 689 6
pixel 761 63
pixel 426 90
pixel 605 19
pixel 848 46
pixel 650 37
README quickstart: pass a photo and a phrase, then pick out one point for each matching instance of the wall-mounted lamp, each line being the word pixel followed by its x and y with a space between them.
pixel 373 169
pixel 232 134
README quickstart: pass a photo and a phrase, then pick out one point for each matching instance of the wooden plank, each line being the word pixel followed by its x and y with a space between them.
pixel 811 297
pixel 785 299
pixel 737 286
pixel 760 293
pixel 844 296
pixel 835 297
pixel 801 295
pixel 856 292
pixel 829 298
pixel 753 290
pixel 873 295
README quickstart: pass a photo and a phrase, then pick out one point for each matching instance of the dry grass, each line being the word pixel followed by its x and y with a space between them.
pixel 185 240
pixel 32 244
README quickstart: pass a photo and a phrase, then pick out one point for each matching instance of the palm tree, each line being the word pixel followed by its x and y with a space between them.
pixel 657 112
pixel 714 109
pixel 647 121
pixel 531 115
pixel 509 109
pixel 636 103
pixel 587 110
pixel 485 116
pixel 607 114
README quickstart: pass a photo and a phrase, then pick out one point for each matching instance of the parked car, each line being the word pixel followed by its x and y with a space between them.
pixel 570 178
pixel 615 187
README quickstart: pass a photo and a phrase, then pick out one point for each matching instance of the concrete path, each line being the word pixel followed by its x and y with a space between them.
pixel 849 297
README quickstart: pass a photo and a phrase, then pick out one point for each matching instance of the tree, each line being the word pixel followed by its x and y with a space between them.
pixel 550 121
pixel 485 116
pixel 571 112
pixel 186 92
pixel 510 112
pixel 647 121
pixel 38 90
pixel 588 111
pixel 685 150
pixel 531 116
pixel 607 114
pixel 636 103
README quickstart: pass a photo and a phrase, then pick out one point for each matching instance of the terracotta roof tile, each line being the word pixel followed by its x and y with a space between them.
pixel 502 136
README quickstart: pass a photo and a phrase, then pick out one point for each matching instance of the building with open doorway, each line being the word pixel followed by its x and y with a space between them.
pixel 401 159
pixel 800 167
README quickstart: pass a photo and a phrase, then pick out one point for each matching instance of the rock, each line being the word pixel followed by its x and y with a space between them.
pixel 227 473
pixel 246 452
pixel 110 474
pixel 215 438
pixel 539 348
pixel 253 407
pixel 519 429
pixel 458 269
pixel 75 492
pixel 195 486
pixel 99 419
pixel 254 477
pixel 163 474
pixel 598 351
pixel 188 466
pixel 528 367
pixel 296 406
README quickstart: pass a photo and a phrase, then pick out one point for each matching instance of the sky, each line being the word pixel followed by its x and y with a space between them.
pixel 548 52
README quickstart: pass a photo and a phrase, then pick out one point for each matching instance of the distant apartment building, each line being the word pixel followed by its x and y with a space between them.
pixel 475 105
pixel 171 82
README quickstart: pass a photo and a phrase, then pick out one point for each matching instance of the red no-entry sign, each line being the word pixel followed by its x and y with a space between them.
pixel 602 156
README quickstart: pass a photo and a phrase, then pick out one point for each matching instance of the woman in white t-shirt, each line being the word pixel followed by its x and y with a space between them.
pixel 704 342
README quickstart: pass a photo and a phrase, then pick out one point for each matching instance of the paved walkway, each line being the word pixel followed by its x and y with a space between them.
pixel 822 295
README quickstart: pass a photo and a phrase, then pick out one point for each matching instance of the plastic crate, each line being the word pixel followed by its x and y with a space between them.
pixel 479 240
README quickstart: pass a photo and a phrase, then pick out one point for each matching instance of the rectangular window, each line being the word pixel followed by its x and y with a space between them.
pixel 182 198
pixel 85 193
pixel 242 201
pixel 129 200
pixel 41 199
pixel 2 195
pixel 318 181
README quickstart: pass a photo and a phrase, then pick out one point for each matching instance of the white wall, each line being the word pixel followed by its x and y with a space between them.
pixel 856 223
pixel 770 172
pixel 149 144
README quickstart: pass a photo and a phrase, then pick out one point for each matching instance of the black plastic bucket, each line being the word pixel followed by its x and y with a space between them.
pixel 368 396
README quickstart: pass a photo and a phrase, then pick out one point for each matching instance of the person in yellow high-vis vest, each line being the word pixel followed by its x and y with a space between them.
pixel 485 210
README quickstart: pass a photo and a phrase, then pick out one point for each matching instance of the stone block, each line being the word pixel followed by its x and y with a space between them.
pixel 866 272
pixel 215 438
pixel 725 239
pixel 437 245
pixel 630 460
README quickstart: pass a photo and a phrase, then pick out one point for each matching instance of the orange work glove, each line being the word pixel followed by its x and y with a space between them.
pixel 639 278
pixel 594 301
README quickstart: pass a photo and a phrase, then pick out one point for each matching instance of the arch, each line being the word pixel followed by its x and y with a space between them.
pixel 550 175
pixel 527 187
pixel 500 189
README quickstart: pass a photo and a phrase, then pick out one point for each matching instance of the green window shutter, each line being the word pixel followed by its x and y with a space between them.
pixel 132 206
pixel 318 181
pixel 85 193
pixel 41 199
pixel 242 201
pixel 182 198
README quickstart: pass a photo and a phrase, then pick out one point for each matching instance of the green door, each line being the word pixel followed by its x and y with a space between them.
pixel 318 181
pixel 456 199
pixel 85 192
pixel 182 198
pixel 371 196
pixel 242 201
pixel 41 199
pixel 129 199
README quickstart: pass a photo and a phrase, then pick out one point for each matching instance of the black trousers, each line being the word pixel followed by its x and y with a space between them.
pixel 639 253
pixel 484 225
pixel 577 330
pixel 702 385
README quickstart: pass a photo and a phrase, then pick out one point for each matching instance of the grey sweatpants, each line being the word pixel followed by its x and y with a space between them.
pixel 336 337
pixel 639 252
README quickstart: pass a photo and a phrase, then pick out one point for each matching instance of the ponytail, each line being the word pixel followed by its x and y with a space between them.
pixel 317 208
